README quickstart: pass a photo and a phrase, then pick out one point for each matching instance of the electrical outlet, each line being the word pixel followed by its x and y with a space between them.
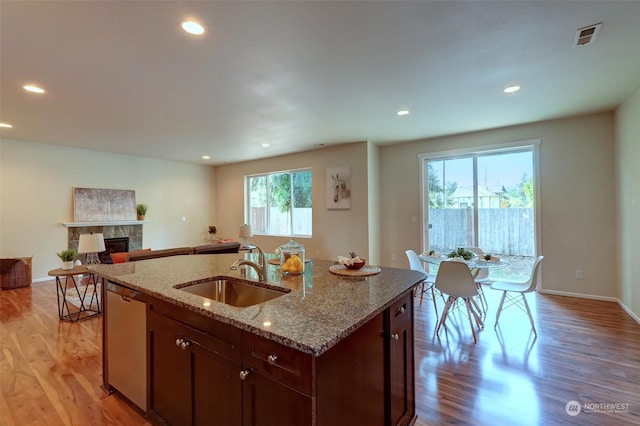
pixel 393 257
pixel 579 274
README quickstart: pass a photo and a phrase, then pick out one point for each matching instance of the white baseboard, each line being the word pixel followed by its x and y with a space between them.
pixel 629 311
pixel 590 296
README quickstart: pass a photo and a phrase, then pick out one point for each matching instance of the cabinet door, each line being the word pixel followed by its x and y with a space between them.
pixel 190 383
pixel 401 364
pixel 351 378
pixel 267 402
pixel 216 387
pixel 169 372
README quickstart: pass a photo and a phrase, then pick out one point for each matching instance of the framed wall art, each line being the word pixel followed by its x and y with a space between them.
pixel 92 204
pixel 338 188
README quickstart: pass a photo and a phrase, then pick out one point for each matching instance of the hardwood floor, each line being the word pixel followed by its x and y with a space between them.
pixel 587 351
pixel 50 370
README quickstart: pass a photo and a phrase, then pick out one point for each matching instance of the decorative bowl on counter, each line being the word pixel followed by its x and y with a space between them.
pixel 356 265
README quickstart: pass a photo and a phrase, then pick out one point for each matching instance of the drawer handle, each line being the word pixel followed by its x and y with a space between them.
pixel 395 336
pixel 244 374
pixel 400 310
pixel 271 359
pixel 183 343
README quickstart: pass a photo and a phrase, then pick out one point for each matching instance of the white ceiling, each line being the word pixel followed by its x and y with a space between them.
pixel 122 77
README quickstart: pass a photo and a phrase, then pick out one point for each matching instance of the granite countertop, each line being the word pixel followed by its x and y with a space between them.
pixel 320 310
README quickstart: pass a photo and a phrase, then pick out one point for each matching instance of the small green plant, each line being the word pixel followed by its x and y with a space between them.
pixel 487 257
pixel 67 255
pixel 461 252
pixel 352 254
pixel 142 209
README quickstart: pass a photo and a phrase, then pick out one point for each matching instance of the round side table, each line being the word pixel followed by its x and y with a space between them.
pixel 71 295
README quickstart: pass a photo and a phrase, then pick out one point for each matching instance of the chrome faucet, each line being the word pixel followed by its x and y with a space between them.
pixel 260 267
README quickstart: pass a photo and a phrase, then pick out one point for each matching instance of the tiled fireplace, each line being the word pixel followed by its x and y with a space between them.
pixel 134 232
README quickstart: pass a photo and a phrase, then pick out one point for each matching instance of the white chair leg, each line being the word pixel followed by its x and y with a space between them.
pixel 477 313
pixel 526 305
pixel 483 299
pixel 504 295
pixel 419 289
pixel 467 303
pixel 449 302
pixel 433 297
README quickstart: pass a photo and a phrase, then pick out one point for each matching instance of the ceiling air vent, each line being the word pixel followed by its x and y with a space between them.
pixel 586 35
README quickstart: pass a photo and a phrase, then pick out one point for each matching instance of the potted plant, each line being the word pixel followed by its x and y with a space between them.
pixel 141 209
pixel 68 257
pixel 212 232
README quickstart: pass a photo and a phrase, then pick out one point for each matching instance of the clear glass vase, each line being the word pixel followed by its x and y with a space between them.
pixel 292 258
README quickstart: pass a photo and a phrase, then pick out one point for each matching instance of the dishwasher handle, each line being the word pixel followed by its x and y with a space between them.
pixel 126 294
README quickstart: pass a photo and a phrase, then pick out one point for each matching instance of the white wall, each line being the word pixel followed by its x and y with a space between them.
pixel 36 182
pixel 628 188
pixel 578 203
pixel 335 232
pixel 375 206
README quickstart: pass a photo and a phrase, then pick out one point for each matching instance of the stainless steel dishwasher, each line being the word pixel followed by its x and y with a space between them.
pixel 126 329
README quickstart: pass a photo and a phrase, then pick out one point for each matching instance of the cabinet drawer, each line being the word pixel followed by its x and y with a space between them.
pixel 214 335
pixel 282 363
pixel 401 309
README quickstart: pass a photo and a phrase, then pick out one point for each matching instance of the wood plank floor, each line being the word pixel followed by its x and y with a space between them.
pixel 587 351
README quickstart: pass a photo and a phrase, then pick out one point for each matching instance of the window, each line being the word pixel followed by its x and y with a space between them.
pixel 486 199
pixel 279 203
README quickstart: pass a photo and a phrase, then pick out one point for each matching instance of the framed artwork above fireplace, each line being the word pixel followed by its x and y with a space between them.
pixel 95 205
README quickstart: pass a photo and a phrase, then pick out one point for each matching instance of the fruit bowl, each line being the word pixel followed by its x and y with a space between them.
pixel 357 265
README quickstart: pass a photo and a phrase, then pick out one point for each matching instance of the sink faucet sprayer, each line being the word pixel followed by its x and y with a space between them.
pixel 260 267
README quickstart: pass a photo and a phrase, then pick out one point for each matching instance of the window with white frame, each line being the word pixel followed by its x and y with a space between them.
pixel 279 203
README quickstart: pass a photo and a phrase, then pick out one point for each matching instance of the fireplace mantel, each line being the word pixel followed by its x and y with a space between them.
pixel 106 223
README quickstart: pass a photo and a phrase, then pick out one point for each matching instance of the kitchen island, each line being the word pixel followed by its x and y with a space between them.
pixel 331 350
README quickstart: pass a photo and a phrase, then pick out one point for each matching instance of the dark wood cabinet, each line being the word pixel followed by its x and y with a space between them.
pixel 351 378
pixel 169 372
pixel 202 372
pixel 189 383
pixel 401 362
pixel 267 402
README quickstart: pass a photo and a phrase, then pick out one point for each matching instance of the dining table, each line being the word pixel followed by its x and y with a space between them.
pixel 475 264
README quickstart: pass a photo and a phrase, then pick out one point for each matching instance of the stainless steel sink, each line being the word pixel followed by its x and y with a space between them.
pixel 233 291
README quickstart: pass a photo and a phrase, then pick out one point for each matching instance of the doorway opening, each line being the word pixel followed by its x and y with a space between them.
pixel 484 199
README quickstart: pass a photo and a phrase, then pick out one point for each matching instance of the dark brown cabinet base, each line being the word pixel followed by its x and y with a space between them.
pixel 204 372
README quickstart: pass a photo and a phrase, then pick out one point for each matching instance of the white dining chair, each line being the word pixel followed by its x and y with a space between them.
pixel 454 279
pixel 427 285
pixel 482 277
pixel 514 293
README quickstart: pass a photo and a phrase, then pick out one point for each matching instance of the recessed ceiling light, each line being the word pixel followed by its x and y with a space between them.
pixel 192 27
pixel 403 112
pixel 266 145
pixel 511 89
pixel 206 157
pixel 6 125
pixel 33 89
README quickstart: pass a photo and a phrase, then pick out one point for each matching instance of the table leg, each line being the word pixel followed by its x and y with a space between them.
pixel 63 302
